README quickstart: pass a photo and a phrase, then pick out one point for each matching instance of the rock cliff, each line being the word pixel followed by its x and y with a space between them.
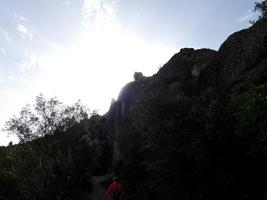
pixel 240 62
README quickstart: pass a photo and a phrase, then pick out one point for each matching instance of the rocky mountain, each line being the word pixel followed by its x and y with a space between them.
pixel 240 62
pixel 195 130
pixel 198 126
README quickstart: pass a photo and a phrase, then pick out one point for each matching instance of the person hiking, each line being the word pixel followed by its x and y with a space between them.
pixel 115 190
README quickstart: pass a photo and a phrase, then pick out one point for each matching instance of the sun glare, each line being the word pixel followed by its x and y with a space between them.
pixel 96 67
pixel 92 68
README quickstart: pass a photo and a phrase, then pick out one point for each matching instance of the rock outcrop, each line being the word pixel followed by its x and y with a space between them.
pixel 240 62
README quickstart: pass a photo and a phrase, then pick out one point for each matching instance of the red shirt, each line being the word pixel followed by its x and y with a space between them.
pixel 114 187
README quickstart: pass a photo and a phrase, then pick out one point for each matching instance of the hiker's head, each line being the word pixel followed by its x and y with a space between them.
pixel 114 178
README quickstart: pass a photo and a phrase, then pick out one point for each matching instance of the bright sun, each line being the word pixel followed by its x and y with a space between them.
pixel 96 67
pixel 92 68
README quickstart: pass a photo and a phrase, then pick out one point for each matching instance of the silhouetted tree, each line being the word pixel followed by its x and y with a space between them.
pixel 45 118
pixel 262 8
pixel 58 165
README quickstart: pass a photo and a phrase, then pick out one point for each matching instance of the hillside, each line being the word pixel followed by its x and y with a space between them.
pixel 197 128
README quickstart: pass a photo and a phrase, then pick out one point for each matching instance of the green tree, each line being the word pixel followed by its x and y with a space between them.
pixel 261 7
pixel 44 118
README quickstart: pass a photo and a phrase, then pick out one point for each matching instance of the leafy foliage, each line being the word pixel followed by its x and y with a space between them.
pixel 195 147
pixel 59 153
pixel 261 7
pixel 45 118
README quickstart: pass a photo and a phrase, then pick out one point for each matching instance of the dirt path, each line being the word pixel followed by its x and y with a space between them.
pixel 98 190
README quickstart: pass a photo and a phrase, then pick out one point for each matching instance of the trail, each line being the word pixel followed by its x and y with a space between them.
pixel 98 189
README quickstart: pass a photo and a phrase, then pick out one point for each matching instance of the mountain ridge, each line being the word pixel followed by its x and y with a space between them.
pixel 239 63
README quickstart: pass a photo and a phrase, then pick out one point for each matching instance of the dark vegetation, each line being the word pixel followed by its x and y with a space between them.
pixel 195 130
pixel 61 147
pixel 261 7
pixel 198 147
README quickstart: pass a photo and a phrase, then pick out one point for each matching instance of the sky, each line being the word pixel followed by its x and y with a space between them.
pixel 89 49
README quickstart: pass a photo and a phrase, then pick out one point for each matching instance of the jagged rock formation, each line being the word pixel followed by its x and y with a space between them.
pixel 138 76
pixel 240 62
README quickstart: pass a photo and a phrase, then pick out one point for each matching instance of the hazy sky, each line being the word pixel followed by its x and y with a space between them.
pixel 89 49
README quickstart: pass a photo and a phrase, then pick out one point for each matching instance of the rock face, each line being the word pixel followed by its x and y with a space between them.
pixel 138 76
pixel 240 62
